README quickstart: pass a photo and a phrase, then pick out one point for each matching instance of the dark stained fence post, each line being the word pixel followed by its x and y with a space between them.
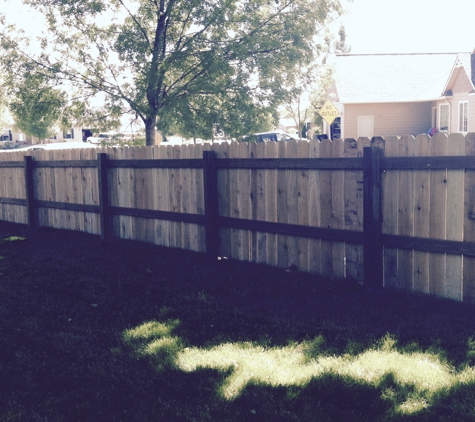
pixel 103 196
pixel 372 245
pixel 211 205
pixel 30 193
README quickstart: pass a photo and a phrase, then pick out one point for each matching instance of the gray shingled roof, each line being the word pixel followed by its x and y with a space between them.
pixel 382 78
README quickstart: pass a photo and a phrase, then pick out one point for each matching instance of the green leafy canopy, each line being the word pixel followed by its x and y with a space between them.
pixel 184 65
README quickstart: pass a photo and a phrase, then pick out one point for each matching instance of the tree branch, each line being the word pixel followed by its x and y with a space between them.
pixel 142 30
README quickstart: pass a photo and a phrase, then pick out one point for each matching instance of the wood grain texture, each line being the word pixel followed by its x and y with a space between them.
pixel 353 202
pixel 338 211
pixel 390 188
pixel 438 202
pixel 454 225
pixel 405 222
pixel 421 213
pixel 469 222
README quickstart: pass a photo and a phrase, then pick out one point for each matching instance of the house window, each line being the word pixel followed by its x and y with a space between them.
pixel 463 116
pixel 434 117
pixel 444 114
pixel 365 126
pixel 335 129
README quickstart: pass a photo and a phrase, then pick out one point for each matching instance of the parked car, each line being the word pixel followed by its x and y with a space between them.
pixel 102 137
pixel 276 136
pixel 52 146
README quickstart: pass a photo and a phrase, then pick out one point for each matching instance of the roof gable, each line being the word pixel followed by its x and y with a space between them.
pixel 460 76
pixel 383 78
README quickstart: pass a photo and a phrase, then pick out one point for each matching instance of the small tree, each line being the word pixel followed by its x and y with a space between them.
pixel 35 106
pixel 301 100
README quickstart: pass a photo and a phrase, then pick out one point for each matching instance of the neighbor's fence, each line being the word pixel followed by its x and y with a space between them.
pixel 398 211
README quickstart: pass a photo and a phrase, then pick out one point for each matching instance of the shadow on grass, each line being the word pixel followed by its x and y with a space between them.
pixel 132 332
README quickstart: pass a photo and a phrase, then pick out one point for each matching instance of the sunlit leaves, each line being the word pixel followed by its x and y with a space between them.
pixel 213 60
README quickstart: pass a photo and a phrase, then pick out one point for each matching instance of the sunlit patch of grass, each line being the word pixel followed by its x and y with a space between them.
pixel 159 342
pixel 150 330
pixel 13 238
pixel 410 380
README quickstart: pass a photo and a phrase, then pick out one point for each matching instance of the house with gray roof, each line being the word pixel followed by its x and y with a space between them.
pixel 399 94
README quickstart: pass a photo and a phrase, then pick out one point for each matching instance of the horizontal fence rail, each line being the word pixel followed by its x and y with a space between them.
pixel 393 212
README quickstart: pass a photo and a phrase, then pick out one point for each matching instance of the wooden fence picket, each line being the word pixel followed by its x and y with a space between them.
pixel 468 293
pixel 338 211
pixel 421 215
pixel 438 201
pixel 271 198
pixel 390 189
pixel 353 219
pixel 405 221
pixel 282 192
pixel 244 189
pixel 326 209
pixel 162 203
pixel 454 219
pixel 224 195
pixel 302 206
pixel 314 211
pixel 417 201
pixel 291 207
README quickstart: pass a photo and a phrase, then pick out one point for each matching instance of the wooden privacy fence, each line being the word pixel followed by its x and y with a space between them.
pixel 398 212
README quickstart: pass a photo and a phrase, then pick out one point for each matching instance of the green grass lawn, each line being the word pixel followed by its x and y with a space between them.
pixel 126 331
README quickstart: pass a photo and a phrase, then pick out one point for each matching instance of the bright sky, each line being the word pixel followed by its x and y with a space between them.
pixel 372 26
pixel 410 26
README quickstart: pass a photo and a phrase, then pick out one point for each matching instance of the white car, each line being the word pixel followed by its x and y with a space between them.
pixel 52 146
pixel 102 137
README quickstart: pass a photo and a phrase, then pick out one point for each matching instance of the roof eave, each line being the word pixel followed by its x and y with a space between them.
pixel 393 101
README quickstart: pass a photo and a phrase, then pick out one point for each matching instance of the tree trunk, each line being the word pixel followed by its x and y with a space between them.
pixel 150 130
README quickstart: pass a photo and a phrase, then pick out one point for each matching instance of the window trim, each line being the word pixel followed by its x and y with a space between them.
pixel 448 117
pixel 466 113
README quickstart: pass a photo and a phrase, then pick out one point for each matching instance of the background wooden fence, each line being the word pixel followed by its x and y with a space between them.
pixel 400 213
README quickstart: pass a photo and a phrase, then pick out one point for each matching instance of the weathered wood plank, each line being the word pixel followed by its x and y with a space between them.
pixel 282 199
pixel 142 227
pixel 455 214
pixel 4 188
pixel 224 199
pixel 292 208
pixel 162 227
pixel 353 202
pixel 302 205
pixel 314 211
pixel 125 194
pixel 261 205
pixel 271 199
pixel 438 198
pixel 326 209
pixel 245 205
pixel 469 222
pixel 197 232
pixel 421 213
pixel 390 186
pixel 235 204
pixel 405 261
pixel 176 195
pixel 338 211
pixel 253 200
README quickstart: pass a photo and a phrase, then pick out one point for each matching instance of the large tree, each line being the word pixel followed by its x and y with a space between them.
pixel 188 63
